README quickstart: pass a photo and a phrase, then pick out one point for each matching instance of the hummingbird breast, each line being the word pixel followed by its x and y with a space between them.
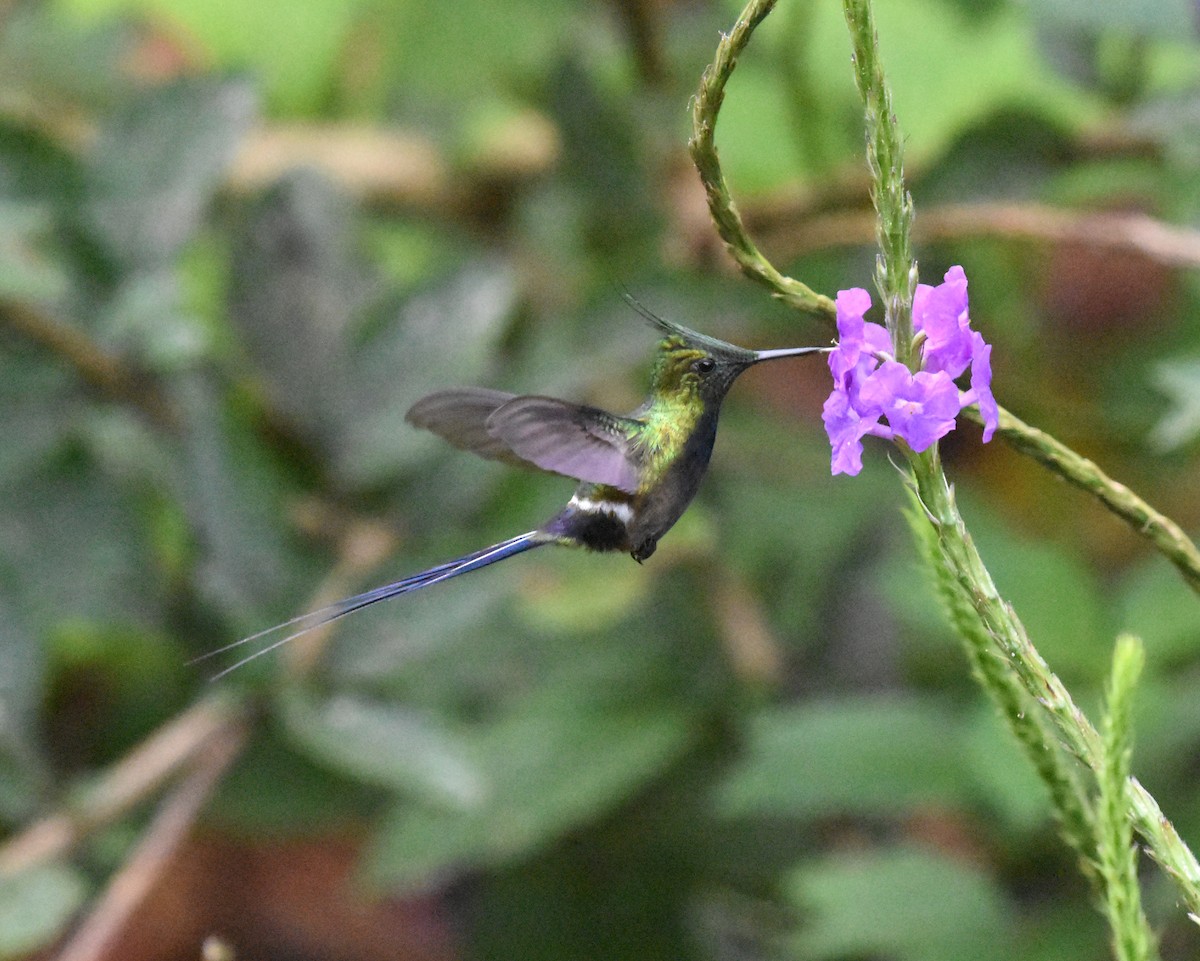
pixel 604 518
pixel 665 498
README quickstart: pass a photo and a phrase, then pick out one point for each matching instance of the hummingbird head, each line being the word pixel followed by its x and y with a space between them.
pixel 696 365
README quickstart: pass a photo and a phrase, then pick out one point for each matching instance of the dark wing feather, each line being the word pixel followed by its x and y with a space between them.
pixel 586 443
pixel 460 415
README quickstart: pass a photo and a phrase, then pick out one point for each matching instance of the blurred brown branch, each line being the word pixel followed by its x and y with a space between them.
pixel 399 169
pixel 1135 233
pixel 107 374
pixel 402 168
pixel 216 719
pixel 130 886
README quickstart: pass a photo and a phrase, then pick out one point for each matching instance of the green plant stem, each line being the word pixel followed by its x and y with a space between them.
pixel 895 269
pixel 1022 715
pixel 1009 642
pixel 1132 939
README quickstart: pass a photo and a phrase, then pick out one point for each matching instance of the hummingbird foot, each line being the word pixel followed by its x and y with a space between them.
pixel 643 550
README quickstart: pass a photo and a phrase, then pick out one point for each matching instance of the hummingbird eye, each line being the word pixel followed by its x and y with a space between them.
pixel 704 365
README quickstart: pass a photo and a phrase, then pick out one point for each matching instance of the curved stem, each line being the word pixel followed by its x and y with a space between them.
pixel 1164 534
pixel 702 146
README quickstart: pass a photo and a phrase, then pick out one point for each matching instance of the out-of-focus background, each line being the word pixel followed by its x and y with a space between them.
pixel 237 240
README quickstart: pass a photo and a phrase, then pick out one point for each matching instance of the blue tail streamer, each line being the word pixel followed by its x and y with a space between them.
pixel 427 578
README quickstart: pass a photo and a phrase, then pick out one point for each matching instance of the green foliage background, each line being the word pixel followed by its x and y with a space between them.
pixel 764 742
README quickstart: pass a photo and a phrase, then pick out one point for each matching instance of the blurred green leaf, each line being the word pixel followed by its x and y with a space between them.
pixel 936 97
pixel 275 790
pixel 231 496
pixel 561 726
pixel 1168 725
pixel 21 778
pixel 144 187
pixel 35 906
pixel 158 161
pixel 71 540
pixel 601 164
pixel 1166 19
pixel 22 674
pixel 425 649
pixel 1153 600
pixel 902 903
pixel 567 600
pixel 1005 780
pixel 1063 929
pixel 1056 595
pixel 1009 153
pixel 26 273
pixel 439 337
pixel 298 290
pixel 120 679
pixel 491 47
pixel 551 766
pixel 144 315
pixel 61 65
pixel 552 906
pixel 785 522
pixel 933 647
pixel 873 756
pixel 38 183
pixel 1179 380
pixel 35 169
pixel 343 356
pixel 1172 119
pixel 385 744
pixel 34 431
pixel 294 67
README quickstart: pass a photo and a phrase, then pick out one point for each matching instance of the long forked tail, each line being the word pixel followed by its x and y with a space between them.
pixel 434 575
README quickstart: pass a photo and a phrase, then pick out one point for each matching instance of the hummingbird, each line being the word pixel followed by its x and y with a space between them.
pixel 636 473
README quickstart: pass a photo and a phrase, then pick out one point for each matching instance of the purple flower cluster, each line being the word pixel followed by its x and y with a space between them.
pixel 870 386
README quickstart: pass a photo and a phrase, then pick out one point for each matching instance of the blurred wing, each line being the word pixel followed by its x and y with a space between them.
pixel 586 443
pixel 460 415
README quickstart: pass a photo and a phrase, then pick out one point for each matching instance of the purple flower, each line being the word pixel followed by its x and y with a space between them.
pixel 846 428
pixel 858 341
pixel 940 313
pixel 919 407
pixel 981 385
pixel 869 386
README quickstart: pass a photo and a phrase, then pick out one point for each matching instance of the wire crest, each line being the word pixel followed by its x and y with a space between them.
pixel 691 337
